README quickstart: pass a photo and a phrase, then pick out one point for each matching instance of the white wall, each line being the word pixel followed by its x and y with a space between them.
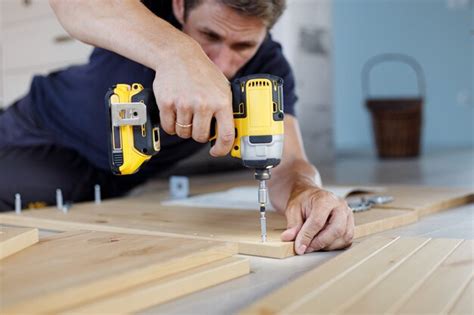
pixel 305 31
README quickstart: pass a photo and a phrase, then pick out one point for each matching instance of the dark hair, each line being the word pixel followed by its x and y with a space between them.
pixel 268 10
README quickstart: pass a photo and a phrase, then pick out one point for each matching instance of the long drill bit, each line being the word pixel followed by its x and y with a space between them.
pixel 262 200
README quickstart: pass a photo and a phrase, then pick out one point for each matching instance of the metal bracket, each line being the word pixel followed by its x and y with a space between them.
pixel 179 187
pixel 128 114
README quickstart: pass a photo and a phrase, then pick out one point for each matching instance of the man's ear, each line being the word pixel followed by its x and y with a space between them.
pixel 178 10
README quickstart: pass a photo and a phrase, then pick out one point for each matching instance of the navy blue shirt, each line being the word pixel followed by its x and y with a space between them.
pixel 70 103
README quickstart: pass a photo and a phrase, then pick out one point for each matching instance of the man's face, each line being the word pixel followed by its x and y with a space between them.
pixel 228 38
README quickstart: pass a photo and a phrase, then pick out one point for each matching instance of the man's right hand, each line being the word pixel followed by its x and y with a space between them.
pixel 190 90
pixel 188 87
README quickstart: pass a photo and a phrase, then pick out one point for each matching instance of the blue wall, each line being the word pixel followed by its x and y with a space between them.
pixel 438 37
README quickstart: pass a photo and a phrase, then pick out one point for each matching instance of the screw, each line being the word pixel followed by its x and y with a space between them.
pixel 59 199
pixel 17 203
pixel 97 194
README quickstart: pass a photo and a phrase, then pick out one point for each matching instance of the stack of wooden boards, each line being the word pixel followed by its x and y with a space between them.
pixel 383 276
pixel 101 272
pixel 146 216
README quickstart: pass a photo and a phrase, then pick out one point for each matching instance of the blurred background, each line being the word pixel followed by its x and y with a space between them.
pixel 328 42
pixel 345 34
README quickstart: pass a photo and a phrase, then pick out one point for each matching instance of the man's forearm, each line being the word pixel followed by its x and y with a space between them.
pixel 288 177
pixel 125 27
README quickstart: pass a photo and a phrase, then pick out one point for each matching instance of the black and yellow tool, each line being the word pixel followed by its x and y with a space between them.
pixel 134 127
pixel 257 102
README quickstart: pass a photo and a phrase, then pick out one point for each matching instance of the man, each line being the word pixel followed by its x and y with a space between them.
pixel 187 50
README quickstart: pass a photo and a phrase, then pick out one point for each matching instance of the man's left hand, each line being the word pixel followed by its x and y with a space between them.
pixel 317 220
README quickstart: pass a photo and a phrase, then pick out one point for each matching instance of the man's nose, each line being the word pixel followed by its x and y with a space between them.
pixel 223 60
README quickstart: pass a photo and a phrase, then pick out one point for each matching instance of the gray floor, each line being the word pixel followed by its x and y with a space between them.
pixel 453 168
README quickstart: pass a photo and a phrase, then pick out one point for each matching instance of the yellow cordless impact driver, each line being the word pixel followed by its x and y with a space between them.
pixel 257 102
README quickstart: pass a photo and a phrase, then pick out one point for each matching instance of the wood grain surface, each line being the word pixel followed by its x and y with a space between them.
pixel 383 276
pixel 142 216
pixel 71 268
pixel 171 287
pixel 14 239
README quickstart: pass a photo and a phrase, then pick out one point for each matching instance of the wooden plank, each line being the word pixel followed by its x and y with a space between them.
pixel 441 290
pixel 72 268
pixel 350 282
pixel 378 220
pixel 427 200
pixel 14 239
pixel 314 279
pixel 168 288
pixel 401 282
pixel 145 216
pixel 380 276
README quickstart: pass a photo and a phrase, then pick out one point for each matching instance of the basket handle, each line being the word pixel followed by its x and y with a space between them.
pixel 410 61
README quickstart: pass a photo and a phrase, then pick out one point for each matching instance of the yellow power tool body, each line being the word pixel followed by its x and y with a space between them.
pixel 133 122
pixel 258 118
pixel 257 102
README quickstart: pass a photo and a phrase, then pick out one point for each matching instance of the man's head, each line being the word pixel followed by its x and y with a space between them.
pixel 229 31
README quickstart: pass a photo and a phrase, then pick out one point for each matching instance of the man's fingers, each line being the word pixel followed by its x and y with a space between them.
pixel 294 224
pixel 225 133
pixel 201 126
pixel 167 119
pixel 340 243
pixel 311 227
pixel 184 120
pixel 346 240
pixel 349 235
pixel 334 230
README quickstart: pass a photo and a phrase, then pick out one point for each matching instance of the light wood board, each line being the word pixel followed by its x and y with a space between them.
pixel 142 216
pixel 72 268
pixel 383 276
pixel 427 200
pixel 423 199
pixel 168 288
pixel 14 239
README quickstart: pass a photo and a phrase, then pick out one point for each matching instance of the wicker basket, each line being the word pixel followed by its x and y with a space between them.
pixel 396 121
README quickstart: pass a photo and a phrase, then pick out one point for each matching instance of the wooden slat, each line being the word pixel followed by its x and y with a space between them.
pixel 378 220
pixel 168 288
pixel 72 268
pixel 350 282
pixel 314 280
pixel 465 303
pixel 382 276
pixel 14 239
pixel 427 200
pixel 441 290
pixel 402 281
pixel 145 216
